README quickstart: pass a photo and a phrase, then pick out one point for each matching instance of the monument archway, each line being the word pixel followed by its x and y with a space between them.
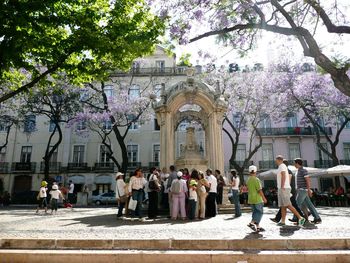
pixel 208 108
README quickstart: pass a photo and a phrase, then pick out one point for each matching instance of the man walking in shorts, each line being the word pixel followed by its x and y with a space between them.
pixel 284 192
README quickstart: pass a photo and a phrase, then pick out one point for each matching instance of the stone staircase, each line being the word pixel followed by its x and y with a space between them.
pixel 172 250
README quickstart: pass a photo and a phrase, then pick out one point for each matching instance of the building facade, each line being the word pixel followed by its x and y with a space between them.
pixel 84 159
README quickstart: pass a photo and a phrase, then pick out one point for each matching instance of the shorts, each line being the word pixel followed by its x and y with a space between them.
pixel 42 202
pixel 284 197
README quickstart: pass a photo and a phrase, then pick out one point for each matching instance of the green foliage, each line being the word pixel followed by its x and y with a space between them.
pixel 185 60
pixel 84 38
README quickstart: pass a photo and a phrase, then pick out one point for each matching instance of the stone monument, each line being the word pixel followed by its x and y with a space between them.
pixel 190 155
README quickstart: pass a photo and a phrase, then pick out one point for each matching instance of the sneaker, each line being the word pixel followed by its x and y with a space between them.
pixel 301 221
pixel 281 224
pixel 274 220
pixel 292 220
pixel 252 226
pixel 317 221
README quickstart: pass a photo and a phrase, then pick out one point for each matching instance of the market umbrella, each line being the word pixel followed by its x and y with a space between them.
pixel 271 174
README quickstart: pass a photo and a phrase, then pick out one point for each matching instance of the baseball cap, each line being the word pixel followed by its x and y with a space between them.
pixel 55 187
pixel 179 174
pixel 118 174
pixel 193 183
pixel 252 169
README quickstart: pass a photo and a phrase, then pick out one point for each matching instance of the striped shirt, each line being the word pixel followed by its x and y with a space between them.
pixel 300 178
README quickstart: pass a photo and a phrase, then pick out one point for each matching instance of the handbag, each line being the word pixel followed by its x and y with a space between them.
pixel 154 185
pixel 132 204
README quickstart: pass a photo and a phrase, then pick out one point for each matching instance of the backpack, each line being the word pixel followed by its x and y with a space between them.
pixel 176 187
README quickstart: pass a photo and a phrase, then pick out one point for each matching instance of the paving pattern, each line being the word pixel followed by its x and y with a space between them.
pixel 102 223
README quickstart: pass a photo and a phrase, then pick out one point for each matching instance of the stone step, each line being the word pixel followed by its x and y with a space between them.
pixel 171 256
pixel 178 244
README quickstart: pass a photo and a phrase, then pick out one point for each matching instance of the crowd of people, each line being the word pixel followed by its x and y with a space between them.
pixel 196 195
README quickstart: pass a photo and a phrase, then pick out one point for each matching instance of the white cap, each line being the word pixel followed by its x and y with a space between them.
pixel 55 187
pixel 179 174
pixel 118 174
pixel 252 169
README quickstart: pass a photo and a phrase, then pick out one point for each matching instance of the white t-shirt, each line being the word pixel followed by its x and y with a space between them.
pixel 283 167
pixel 236 180
pixel 193 194
pixel 213 183
pixel 42 192
pixel 71 188
pixel 55 194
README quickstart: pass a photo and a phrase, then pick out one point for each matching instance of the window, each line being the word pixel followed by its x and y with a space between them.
pixel 29 123
pixel 134 91
pixel 136 66
pixel 157 90
pixel 342 119
pixel 237 119
pixel 294 151
pixel 2 155
pixel 3 127
pixel 78 153
pixel 134 126
pixel 133 153
pixel 240 154
pixel 183 126
pixel 102 188
pixel 156 125
pixel 26 154
pixel 81 126
pixel 52 126
pixel 104 154
pixel 54 156
pixel 160 65
pixel 320 121
pixel 346 147
pixel 156 153
pixel 109 91
pixel 267 152
pixel 321 154
pixel 292 120
pixel 266 122
pixel 107 125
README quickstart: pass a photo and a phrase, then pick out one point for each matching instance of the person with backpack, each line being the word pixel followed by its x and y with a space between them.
pixel 178 191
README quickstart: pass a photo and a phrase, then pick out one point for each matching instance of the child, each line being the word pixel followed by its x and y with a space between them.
pixel 192 200
pixel 55 196
pixel 256 199
pixel 42 202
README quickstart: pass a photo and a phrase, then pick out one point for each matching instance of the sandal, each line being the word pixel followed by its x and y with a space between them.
pixel 260 229
pixel 252 226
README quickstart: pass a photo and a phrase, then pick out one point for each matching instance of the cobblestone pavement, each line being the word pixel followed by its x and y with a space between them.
pixel 101 223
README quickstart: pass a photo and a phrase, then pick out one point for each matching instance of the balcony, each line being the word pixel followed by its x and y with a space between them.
pixel 104 167
pixel 323 163
pixel 133 165
pixel 292 131
pixel 266 165
pixel 4 168
pixel 54 167
pixel 153 164
pixel 291 162
pixel 23 167
pixel 175 71
pixel 345 162
pixel 240 163
pixel 78 167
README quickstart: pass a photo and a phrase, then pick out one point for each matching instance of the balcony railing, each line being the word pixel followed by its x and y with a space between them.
pixel 78 167
pixel 4 168
pixel 264 165
pixel 104 167
pixel 53 167
pixel 240 163
pixel 153 164
pixel 23 167
pixel 323 163
pixel 153 71
pixel 345 162
pixel 292 131
pixel 134 165
pixel 291 162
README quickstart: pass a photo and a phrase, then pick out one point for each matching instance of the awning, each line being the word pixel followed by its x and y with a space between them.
pixel 103 179
pixel 77 179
